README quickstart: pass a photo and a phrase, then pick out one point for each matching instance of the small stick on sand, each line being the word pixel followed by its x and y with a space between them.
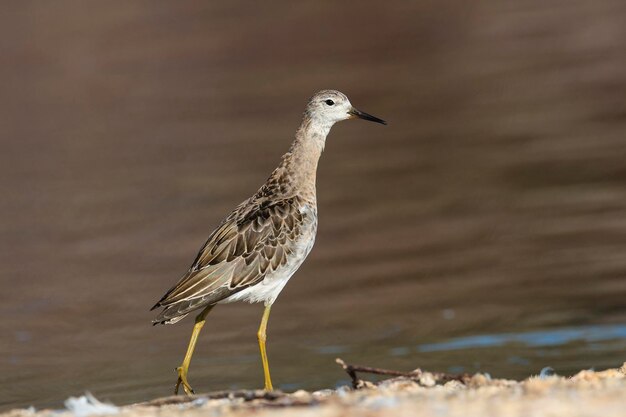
pixel 439 377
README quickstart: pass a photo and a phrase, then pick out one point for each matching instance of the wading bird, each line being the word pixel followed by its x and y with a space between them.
pixel 258 247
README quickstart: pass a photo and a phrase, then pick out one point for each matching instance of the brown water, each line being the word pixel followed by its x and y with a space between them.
pixel 494 202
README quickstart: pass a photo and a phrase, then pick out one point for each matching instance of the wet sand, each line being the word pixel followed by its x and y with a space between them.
pixel 586 393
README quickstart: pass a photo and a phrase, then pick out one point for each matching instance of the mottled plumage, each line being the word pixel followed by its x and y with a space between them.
pixel 257 240
pixel 258 247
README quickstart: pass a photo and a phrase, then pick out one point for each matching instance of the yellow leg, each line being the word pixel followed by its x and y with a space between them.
pixel 262 338
pixel 184 368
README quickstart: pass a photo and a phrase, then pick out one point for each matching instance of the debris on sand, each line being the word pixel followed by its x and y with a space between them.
pixel 417 393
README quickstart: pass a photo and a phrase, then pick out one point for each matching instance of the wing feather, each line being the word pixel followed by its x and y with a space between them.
pixel 253 241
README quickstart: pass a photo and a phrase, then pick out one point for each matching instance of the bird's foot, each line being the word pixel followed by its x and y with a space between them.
pixel 182 380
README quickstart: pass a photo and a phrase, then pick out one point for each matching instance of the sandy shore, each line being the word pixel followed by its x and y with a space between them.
pixel 587 393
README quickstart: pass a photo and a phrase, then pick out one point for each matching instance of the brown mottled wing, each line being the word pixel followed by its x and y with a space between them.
pixel 256 239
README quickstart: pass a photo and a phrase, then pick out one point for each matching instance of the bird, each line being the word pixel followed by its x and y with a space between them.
pixel 256 249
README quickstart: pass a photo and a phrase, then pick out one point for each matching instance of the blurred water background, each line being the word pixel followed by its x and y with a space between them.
pixel 484 229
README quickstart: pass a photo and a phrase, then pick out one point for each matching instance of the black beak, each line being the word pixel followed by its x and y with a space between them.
pixel 362 115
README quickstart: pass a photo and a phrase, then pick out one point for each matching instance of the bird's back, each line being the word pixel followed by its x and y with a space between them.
pixel 259 245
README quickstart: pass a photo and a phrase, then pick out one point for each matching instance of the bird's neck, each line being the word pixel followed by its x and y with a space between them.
pixel 298 167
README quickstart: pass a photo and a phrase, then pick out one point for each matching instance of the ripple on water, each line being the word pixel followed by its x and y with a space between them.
pixel 543 338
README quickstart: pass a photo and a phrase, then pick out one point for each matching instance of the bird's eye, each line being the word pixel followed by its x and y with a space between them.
pixel 329 102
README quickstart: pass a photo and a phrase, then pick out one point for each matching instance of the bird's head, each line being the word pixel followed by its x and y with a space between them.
pixel 331 106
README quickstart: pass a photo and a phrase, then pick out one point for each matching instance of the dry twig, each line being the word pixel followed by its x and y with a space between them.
pixel 439 377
